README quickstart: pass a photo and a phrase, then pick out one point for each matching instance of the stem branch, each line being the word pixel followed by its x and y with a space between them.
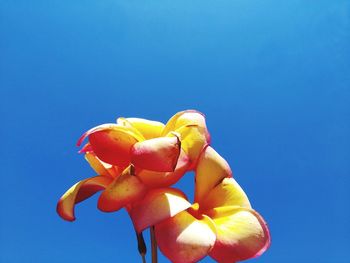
pixel 154 246
pixel 141 246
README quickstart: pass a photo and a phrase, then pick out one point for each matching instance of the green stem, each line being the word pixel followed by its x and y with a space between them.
pixel 141 246
pixel 154 246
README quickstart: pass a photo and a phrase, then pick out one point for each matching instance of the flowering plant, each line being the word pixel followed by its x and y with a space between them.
pixel 137 161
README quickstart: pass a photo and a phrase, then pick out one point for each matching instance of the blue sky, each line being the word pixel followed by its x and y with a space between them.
pixel 272 77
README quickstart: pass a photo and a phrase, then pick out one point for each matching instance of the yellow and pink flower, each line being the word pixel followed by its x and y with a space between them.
pixel 137 161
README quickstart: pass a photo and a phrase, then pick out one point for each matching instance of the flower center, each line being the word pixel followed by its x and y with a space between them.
pixel 194 211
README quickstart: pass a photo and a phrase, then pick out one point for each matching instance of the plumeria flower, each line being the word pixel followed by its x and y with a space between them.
pixel 220 223
pixel 136 160
pixel 136 155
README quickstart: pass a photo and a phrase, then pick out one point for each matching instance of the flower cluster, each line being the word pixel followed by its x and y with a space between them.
pixel 137 161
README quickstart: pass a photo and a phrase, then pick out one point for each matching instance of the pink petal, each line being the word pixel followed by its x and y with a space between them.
pixel 157 205
pixel 159 154
pixel 112 143
pixel 165 179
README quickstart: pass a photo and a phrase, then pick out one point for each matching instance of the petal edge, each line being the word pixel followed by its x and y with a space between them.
pixel 241 234
pixel 79 192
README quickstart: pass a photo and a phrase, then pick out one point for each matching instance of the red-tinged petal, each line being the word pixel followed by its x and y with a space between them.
pixel 103 127
pixel 241 234
pixel 149 129
pixel 184 118
pixel 86 148
pixel 112 143
pixel 227 193
pixel 79 192
pixel 211 169
pixel 154 179
pixel 157 205
pixel 159 154
pixel 124 190
pixel 184 238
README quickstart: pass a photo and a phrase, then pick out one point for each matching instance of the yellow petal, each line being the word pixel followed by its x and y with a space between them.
pixel 99 166
pixel 124 190
pixel 184 238
pixel 227 193
pixel 112 143
pixel 193 141
pixel 159 154
pixel 184 118
pixel 113 171
pixel 154 179
pixel 149 129
pixel 211 169
pixel 157 205
pixel 79 192
pixel 241 234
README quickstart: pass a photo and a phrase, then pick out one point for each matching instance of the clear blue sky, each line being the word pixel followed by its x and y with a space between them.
pixel 272 77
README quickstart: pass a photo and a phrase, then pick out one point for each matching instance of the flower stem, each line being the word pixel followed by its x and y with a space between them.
pixel 154 246
pixel 141 246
